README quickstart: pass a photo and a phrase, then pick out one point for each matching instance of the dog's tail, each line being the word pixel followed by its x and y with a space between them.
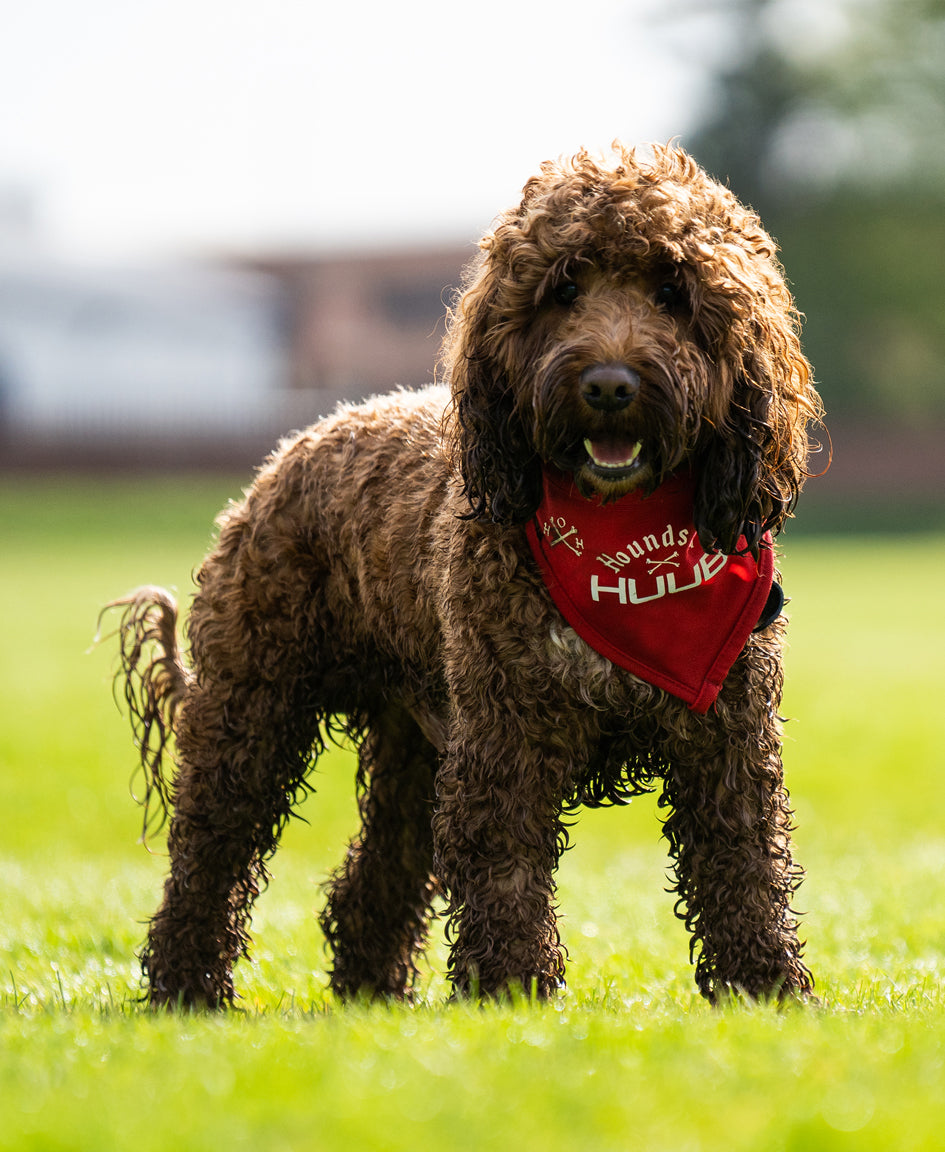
pixel 154 679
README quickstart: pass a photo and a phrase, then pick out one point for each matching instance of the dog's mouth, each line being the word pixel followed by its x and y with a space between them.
pixel 613 458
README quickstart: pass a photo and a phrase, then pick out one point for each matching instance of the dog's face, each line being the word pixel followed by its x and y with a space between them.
pixel 625 318
pixel 616 381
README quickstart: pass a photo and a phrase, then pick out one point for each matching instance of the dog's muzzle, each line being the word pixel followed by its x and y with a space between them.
pixel 611 388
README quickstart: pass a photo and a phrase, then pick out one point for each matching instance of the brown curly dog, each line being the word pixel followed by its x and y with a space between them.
pixel 547 585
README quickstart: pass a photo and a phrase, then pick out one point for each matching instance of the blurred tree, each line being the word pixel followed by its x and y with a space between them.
pixel 753 91
pixel 830 119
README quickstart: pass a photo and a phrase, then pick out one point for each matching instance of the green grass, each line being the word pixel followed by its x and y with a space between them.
pixel 629 1058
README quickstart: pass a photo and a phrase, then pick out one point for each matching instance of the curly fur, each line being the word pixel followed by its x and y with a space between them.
pixel 726 383
pixel 376 580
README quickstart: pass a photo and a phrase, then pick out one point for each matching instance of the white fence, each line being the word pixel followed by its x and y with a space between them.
pixel 98 354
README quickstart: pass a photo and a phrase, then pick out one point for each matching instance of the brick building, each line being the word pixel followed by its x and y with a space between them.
pixel 361 323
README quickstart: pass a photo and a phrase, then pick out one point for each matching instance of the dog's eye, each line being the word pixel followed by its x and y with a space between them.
pixel 668 295
pixel 566 292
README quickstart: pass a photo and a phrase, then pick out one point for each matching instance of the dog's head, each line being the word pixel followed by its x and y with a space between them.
pixel 630 316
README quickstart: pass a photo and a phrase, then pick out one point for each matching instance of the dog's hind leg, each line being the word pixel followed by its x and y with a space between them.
pixel 378 908
pixel 242 758
pixel 246 728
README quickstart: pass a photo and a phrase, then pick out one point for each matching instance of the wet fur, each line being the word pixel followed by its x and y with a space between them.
pixel 376 581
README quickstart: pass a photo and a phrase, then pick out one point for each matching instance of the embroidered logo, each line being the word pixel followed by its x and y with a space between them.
pixel 615 571
pixel 670 561
pixel 627 591
pixel 558 531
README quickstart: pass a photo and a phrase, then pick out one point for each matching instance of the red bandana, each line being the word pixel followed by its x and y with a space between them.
pixel 632 579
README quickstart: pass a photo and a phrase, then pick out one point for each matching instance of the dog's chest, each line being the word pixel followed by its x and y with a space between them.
pixel 575 664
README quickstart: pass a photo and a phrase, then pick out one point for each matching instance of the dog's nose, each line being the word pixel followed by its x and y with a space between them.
pixel 609 387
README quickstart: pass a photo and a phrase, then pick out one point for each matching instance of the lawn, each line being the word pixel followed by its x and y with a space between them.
pixel 628 1058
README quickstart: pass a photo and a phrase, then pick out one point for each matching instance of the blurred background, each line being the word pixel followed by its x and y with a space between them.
pixel 218 217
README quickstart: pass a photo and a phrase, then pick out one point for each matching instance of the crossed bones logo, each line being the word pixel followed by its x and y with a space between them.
pixel 671 561
pixel 559 532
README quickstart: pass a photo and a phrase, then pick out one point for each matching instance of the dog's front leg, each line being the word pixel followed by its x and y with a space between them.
pixel 730 835
pixel 511 760
pixel 498 836
pixel 517 740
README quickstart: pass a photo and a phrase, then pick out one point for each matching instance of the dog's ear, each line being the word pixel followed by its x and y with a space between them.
pixel 752 465
pixel 487 441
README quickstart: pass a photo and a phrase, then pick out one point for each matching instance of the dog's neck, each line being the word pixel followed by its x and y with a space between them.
pixel 632 579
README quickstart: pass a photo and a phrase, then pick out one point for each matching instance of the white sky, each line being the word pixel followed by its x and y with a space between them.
pixel 173 126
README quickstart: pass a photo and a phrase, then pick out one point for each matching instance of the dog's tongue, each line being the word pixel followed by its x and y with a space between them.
pixel 613 452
